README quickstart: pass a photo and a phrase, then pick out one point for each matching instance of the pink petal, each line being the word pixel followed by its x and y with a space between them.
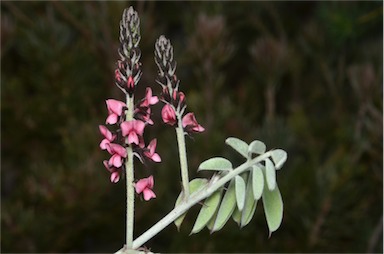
pixel 103 144
pixel 138 126
pixel 152 146
pixel 148 194
pixel 141 185
pixel 111 119
pixel 189 119
pixel 116 148
pixel 115 161
pixel 130 82
pixel 115 106
pixel 151 100
pixel 115 177
pixel 133 138
pixel 150 182
pixel 168 114
pixel 125 128
pixel 156 158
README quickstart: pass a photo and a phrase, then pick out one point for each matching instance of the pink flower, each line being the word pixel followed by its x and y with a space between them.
pixel 133 129
pixel 108 137
pixel 118 153
pixel 145 186
pixel 144 114
pixel 168 114
pixel 190 124
pixel 149 99
pixel 115 174
pixel 115 109
pixel 150 153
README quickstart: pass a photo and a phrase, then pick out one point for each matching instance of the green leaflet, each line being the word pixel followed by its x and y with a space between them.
pixel 256 147
pixel 279 157
pixel 216 163
pixel 257 182
pixel 227 207
pixel 207 211
pixel 273 208
pixel 240 192
pixel 194 186
pixel 236 216
pixel 239 145
pixel 250 203
pixel 270 174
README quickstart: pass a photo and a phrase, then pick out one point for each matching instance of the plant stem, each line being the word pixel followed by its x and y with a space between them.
pixel 194 199
pixel 183 158
pixel 130 178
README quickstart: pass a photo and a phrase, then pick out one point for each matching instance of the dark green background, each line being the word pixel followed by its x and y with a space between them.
pixel 303 76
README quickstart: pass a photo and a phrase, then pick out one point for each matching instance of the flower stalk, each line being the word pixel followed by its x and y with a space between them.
pixel 130 179
pixel 183 158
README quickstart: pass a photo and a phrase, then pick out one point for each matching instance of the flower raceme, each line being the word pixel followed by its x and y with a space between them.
pixel 145 186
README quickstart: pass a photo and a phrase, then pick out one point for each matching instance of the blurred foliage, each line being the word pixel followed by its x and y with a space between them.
pixel 303 76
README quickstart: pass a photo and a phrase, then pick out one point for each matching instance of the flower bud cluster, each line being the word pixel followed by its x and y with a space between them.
pixel 128 71
pixel 174 99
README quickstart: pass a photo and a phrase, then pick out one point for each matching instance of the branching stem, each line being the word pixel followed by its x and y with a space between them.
pixel 194 199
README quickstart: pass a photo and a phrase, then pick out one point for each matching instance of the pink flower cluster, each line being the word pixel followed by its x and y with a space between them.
pixel 129 133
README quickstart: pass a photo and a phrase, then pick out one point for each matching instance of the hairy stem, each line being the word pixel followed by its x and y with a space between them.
pixel 130 179
pixel 194 199
pixel 183 158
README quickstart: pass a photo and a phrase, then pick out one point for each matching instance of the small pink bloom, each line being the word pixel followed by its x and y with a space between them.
pixel 150 153
pixel 115 174
pixel 190 124
pixel 149 99
pixel 108 137
pixel 133 129
pixel 168 114
pixel 130 83
pixel 118 153
pixel 143 113
pixel 145 186
pixel 115 109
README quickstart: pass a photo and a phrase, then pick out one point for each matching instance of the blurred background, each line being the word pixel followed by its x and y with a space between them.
pixel 306 77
